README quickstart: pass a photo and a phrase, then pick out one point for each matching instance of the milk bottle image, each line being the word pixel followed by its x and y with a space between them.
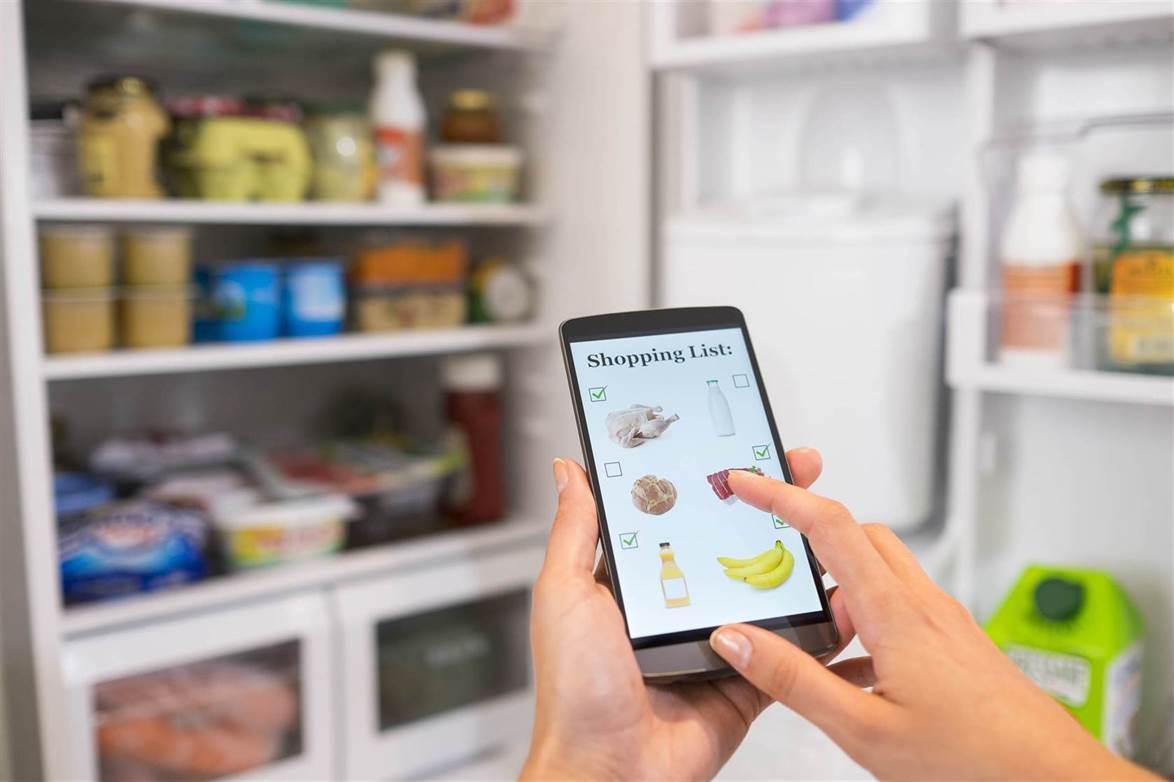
pixel 672 579
pixel 719 411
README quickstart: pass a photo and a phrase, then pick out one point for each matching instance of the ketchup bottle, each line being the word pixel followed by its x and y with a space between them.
pixel 472 385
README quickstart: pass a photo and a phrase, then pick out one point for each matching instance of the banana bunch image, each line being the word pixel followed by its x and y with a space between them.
pixel 765 571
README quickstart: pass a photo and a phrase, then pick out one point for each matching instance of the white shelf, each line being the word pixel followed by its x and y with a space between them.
pixel 290 352
pixel 326 571
pixel 969 367
pixel 394 27
pixel 893 28
pixel 305 213
pixel 1041 24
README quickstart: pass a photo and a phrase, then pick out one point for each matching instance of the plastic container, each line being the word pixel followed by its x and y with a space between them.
pixel 157 256
pixel 79 320
pixel 76 256
pixel 1077 635
pixel 486 173
pixel 866 288
pixel 129 548
pixel 245 302
pixel 272 533
pixel 383 308
pixel 156 317
pixel 314 300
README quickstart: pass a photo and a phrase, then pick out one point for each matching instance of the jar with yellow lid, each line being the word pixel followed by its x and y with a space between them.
pixel 121 126
pixel 1133 262
pixel 471 118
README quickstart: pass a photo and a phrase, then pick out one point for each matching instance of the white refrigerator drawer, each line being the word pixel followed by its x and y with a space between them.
pixel 436 663
pixel 242 693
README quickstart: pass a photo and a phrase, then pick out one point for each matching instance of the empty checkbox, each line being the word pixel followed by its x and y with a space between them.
pixel 612 469
pixel 741 381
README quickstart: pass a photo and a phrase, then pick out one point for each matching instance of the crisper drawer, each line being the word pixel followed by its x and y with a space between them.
pixel 436 663
pixel 243 693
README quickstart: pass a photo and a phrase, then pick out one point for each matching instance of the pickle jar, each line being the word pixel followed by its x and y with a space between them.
pixel 1133 262
pixel 118 138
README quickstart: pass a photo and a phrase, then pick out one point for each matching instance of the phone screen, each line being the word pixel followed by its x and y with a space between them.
pixel 667 417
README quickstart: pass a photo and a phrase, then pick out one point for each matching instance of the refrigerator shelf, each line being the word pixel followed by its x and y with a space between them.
pixel 290 352
pixel 233 590
pixel 973 356
pixel 890 28
pixel 305 213
pixel 392 27
pixel 1044 25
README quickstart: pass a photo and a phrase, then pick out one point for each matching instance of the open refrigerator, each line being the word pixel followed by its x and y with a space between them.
pixel 673 150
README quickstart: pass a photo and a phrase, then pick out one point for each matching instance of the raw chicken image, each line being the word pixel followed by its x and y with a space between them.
pixel 632 426
pixel 654 495
pixel 720 482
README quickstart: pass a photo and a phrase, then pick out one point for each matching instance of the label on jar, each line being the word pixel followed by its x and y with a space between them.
pixel 400 155
pixel 1141 332
pixel 1036 304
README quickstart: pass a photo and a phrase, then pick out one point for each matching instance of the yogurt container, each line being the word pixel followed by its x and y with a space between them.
pixel 272 533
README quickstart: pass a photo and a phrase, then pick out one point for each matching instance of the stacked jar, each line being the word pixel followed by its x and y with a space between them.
pixel 157 297
pixel 80 297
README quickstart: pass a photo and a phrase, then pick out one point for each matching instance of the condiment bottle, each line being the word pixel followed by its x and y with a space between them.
pixel 672 579
pixel 118 138
pixel 471 118
pixel 1040 254
pixel 472 384
pixel 397 115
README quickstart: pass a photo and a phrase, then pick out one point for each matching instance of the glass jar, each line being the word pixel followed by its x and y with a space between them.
pixel 118 139
pixel 344 156
pixel 471 118
pixel 1133 262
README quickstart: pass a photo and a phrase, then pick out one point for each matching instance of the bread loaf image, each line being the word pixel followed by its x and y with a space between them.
pixel 654 495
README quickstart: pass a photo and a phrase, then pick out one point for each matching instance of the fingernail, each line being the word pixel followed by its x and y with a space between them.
pixel 560 475
pixel 732 646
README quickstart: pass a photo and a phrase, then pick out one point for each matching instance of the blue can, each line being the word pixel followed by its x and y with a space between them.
pixel 245 301
pixel 848 9
pixel 314 298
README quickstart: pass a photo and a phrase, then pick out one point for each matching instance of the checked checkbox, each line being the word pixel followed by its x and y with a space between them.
pixel 762 453
pixel 628 540
pixel 612 469
pixel 779 523
pixel 598 394
pixel 741 381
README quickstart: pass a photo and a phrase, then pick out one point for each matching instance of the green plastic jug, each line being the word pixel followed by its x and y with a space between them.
pixel 1077 635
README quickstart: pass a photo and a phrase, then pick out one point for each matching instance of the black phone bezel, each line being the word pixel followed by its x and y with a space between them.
pixel 671 321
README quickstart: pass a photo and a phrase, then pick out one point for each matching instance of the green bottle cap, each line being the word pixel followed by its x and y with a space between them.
pixel 1058 599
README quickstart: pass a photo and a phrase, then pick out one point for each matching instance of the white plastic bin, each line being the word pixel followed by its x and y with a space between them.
pixel 845 309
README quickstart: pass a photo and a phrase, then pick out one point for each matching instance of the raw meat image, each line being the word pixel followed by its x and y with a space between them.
pixel 654 495
pixel 631 427
pixel 720 481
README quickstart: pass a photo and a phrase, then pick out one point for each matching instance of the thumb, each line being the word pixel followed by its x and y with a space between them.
pixel 575 531
pixel 797 680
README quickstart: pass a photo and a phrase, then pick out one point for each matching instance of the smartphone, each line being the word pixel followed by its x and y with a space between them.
pixel 667 403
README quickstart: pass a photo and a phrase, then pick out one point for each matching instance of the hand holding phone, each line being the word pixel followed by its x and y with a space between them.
pixel 669 403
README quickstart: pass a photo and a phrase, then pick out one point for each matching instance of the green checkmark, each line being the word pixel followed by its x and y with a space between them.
pixel 598 394
pixel 761 452
pixel 628 540
pixel 779 523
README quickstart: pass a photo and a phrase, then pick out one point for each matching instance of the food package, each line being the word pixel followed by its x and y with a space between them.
pixel 128 548
pixel 196 722
pixel 240 159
